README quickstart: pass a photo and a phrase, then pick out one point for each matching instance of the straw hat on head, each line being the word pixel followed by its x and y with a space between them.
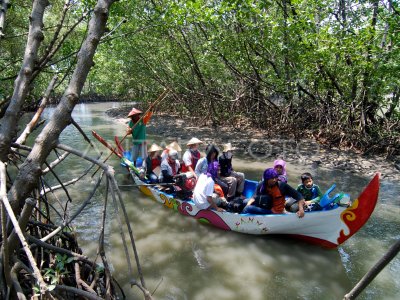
pixel 228 147
pixel 134 111
pixel 174 146
pixel 194 141
pixel 154 148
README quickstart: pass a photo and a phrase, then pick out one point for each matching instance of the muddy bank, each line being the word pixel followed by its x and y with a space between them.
pixel 253 144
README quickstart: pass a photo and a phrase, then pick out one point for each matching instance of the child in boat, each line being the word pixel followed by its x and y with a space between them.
pixel 151 165
pixel 310 191
pixel 280 168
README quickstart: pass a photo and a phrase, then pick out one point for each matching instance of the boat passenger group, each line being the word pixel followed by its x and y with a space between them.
pixel 211 181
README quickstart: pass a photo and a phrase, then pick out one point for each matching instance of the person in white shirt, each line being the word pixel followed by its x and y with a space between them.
pixel 203 194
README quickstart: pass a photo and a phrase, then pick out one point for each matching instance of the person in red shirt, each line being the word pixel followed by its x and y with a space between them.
pixel 191 156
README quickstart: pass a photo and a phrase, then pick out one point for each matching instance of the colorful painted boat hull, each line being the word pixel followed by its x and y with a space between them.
pixel 328 228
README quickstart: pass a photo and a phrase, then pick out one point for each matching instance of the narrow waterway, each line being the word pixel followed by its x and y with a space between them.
pixel 183 259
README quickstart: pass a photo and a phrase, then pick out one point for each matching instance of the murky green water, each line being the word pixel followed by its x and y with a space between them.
pixel 186 260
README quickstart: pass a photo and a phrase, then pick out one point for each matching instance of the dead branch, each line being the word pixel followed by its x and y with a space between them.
pixel 116 189
pixel 121 231
pixel 22 223
pixel 80 209
pixel 84 135
pixel 82 293
pixel 101 250
pixel 46 58
pixel 4 255
pixel 36 271
pixel 61 183
pixel 28 129
pixel 55 162
pixel 56 249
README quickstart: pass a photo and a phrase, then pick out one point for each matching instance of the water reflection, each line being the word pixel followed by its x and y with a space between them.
pixel 187 260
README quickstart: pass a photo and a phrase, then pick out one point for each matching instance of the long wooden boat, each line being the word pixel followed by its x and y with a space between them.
pixel 328 228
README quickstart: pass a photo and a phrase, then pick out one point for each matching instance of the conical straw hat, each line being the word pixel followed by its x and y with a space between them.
pixel 155 148
pixel 194 141
pixel 174 146
pixel 134 111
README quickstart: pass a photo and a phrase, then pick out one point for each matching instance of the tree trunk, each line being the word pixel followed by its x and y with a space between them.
pixel 31 169
pixel 8 124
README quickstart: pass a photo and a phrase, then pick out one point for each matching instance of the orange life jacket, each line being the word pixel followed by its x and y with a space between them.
pixel 278 200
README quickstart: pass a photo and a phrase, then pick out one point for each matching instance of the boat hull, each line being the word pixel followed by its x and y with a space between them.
pixel 328 228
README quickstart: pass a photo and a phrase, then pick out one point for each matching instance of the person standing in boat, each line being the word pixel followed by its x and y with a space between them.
pixel 151 166
pixel 234 180
pixel 191 156
pixel 169 167
pixel 270 194
pixel 203 194
pixel 280 168
pixel 137 127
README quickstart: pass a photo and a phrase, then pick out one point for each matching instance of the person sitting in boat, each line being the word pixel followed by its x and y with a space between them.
pixel 310 191
pixel 151 166
pixel 270 194
pixel 169 167
pixel 234 180
pixel 191 156
pixel 172 146
pixel 203 194
pixel 205 164
pixel 137 127
pixel 280 168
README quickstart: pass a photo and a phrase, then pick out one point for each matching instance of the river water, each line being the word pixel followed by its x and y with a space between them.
pixel 183 259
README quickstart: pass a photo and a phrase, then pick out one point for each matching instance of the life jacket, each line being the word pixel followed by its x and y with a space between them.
pixel 155 162
pixel 278 199
pixel 173 167
pixel 152 163
pixel 194 157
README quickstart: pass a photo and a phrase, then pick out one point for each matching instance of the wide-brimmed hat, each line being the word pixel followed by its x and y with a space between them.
pixel 228 147
pixel 174 146
pixel 194 141
pixel 134 111
pixel 154 148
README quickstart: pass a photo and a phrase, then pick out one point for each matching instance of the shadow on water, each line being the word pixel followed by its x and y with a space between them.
pixel 189 260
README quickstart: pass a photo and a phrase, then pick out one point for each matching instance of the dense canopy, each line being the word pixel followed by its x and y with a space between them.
pixel 327 68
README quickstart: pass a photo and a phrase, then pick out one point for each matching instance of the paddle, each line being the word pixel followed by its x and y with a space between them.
pixel 108 145
pixel 149 184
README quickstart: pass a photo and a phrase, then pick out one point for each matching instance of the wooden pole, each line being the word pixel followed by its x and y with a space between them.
pixel 373 272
